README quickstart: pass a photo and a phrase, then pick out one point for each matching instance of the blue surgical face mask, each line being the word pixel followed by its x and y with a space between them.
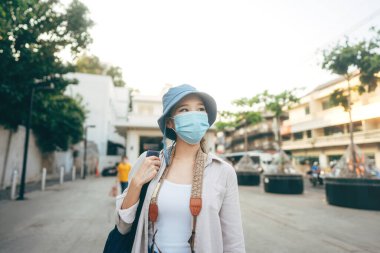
pixel 191 126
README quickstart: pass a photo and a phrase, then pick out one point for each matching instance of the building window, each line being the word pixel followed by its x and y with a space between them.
pixel 333 160
pixel 306 160
pixel 307 110
pixel 371 158
pixel 145 110
pixel 327 104
pixel 286 137
pixel 115 148
pixel 308 134
pixel 333 130
pixel 298 136
pixel 150 143
pixel 357 126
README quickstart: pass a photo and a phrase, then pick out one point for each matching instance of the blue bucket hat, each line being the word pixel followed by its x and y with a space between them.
pixel 173 96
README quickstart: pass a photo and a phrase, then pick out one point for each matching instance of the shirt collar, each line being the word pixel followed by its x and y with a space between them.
pixel 212 157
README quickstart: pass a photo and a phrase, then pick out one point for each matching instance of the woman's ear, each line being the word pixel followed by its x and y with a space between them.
pixel 170 123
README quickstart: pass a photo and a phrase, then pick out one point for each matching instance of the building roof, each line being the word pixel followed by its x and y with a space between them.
pixel 331 83
pixel 89 76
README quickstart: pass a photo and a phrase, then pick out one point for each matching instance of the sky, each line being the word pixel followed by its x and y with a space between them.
pixel 229 49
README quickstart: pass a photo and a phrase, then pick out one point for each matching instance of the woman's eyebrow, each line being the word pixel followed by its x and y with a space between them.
pixel 182 105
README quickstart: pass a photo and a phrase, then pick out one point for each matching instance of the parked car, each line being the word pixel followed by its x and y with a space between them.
pixel 110 171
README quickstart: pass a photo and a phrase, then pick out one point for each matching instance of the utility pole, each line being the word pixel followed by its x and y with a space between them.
pixel 85 151
pixel 35 86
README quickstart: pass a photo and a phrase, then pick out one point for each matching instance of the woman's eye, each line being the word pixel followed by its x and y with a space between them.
pixel 202 109
pixel 183 110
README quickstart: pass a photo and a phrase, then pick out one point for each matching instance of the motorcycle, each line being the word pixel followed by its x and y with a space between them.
pixel 315 178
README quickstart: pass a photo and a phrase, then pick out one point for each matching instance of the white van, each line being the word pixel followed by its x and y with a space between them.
pixel 261 159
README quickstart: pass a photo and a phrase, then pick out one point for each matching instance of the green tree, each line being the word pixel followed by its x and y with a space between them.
pixel 64 113
pixel 276 103
pixel 32 34
pixel 92 65
pixel 244 117
pixel 117 76
pixel 347 59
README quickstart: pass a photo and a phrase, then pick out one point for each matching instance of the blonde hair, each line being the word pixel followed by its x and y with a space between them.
pixel 203 145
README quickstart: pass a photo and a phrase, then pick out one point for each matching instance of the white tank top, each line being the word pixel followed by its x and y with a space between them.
pixel 174 218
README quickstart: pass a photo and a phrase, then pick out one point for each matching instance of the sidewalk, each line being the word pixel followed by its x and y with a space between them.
pixel 5 194
pixel 73 217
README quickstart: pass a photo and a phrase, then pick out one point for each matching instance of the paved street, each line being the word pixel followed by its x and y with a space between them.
pixel 305 223
pixel 77 217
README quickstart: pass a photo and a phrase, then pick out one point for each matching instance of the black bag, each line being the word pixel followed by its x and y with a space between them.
pixel 119 243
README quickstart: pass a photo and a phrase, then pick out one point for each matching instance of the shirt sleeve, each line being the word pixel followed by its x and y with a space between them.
pixel 230 217
pixel 128 215
pixel 122 226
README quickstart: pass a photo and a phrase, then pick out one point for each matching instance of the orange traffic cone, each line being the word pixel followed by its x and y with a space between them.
pixel 97 174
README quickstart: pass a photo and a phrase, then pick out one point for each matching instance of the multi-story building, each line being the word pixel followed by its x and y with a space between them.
pixel 259 136
pixel 318 131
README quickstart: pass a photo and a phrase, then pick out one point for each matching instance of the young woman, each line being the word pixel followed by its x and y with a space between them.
pixel 192 201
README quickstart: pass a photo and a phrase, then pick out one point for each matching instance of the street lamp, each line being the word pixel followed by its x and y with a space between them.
pixel 37 85
pixel 85 151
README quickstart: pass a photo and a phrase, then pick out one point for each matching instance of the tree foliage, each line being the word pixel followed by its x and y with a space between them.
pixel 92 65
pixel 344 58
pixel 276 103
pixel 61 124
pixel 251 109
pixel 244 116
pixel 32 34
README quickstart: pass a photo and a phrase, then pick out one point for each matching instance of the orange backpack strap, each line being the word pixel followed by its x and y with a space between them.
pixel 196 193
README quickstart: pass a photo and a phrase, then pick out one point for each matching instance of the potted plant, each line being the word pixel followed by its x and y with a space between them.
pixel 354 182
pixel 356 186
pixel 280 177
pixel 247 172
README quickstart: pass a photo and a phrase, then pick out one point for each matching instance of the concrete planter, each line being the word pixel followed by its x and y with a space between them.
pixel 248 177
pixel 283 183
pixel 353 192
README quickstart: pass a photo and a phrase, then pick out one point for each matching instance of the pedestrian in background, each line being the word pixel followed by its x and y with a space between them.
pixel 122 172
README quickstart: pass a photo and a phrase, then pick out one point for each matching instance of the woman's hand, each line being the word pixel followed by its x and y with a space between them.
pixel 147 171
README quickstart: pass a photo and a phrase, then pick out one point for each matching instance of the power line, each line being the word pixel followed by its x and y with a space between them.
pixel 350 30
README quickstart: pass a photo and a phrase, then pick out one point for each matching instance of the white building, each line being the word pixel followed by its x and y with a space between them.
pixel 318 131
pixel 105 104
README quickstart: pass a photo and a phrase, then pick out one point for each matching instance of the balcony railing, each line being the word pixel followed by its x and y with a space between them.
pixel 334 116
pixel 363 137
pixel 262 128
